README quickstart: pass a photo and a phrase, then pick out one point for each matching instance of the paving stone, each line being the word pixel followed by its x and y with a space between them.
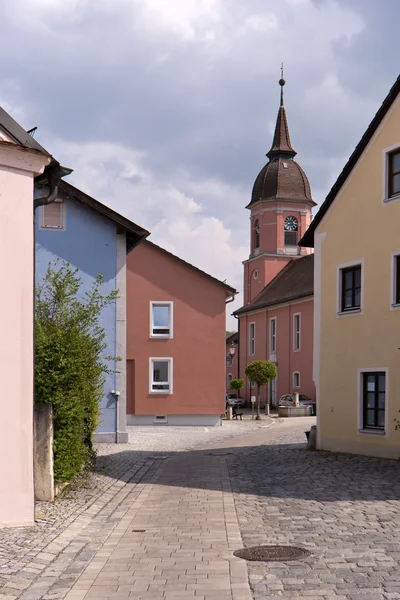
pixel 343 508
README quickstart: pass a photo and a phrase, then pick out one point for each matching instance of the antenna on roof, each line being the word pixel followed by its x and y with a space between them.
pixel 32 131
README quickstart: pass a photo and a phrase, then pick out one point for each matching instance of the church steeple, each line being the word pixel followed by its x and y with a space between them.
pixel 281 146
pixel 281 205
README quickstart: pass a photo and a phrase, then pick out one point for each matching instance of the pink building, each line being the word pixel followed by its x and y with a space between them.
pixel 232 360
pixel 276 321
pixel 175 340
pixel 21 160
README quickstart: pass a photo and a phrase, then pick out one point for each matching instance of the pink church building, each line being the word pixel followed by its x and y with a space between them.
pixel 276 320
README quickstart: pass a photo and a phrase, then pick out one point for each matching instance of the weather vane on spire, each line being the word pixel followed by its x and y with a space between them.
pixel 282 83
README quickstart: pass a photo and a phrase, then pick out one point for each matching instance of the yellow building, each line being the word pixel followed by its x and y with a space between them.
pixel 356 236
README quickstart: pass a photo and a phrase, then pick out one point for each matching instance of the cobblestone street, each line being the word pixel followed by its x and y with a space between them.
pixel 157 520
pixel 344 509
pixel 38 562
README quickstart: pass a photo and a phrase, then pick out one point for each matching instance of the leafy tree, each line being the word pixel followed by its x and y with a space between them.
pixel 237 384
pixel 261 372
pixel 69 362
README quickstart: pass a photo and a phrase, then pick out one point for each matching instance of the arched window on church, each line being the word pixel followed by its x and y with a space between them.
pixel 257 234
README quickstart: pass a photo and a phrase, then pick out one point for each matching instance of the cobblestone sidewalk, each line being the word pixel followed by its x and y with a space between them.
pixel 344 509
pixel 27 555
pixel 176 540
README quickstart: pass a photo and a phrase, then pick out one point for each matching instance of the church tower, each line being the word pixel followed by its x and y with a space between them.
pixel 280 211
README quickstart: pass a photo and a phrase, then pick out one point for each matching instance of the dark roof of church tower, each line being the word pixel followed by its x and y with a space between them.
pixel 281 145
pixel 281 178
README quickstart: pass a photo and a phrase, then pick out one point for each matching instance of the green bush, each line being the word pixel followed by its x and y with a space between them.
pixel 69 362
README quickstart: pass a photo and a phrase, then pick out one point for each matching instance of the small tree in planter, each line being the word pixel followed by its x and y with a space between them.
pixel 237 384
pixel 261 372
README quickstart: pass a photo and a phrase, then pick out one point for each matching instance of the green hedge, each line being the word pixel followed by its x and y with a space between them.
pixel 69 363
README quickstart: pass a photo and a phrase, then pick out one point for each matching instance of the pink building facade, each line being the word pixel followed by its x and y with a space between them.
pixel 175 340
pixel 276 320
pixel 232 360
pixel 21 159
pixel 278 327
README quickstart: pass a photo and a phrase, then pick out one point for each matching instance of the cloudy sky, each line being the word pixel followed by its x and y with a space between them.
pixel 165 108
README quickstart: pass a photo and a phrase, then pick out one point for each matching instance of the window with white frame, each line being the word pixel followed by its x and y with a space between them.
pixel 373 400
pixel 393 173
pixel 296 332
pixel 161 319
pixel 230 377
pixel 350 288
pixel 252 338
pixel 296 379
pixel 272 336
pixel 52 216
pixel 161 375
pixel 396 280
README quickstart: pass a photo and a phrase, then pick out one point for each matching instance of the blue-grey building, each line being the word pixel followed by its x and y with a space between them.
pixel 95 239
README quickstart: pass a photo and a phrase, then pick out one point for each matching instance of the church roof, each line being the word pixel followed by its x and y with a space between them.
pixel 281 144
pixel 281 178
pixel 293 282
pixel 308 238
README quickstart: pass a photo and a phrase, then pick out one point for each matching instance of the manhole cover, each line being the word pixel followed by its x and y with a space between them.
pixel 219 453
pixel 271 553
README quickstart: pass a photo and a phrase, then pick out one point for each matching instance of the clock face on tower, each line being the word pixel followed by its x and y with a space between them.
pixel 290 224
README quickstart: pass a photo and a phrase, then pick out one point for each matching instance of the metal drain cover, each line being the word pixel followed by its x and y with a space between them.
pixel 272 553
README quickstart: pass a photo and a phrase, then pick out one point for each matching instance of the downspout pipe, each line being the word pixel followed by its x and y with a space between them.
pixel 53 180
pixel 238 346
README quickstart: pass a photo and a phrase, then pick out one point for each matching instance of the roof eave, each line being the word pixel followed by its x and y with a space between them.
pixel 271 199
pixel 134 231
pixel 229 290
pixel 248 309
pixel 308 238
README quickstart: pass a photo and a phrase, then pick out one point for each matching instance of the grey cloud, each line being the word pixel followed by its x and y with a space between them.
pixel 204 108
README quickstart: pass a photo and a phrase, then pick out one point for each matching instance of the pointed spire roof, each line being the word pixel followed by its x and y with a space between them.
pixel 281 146
pixel 282 178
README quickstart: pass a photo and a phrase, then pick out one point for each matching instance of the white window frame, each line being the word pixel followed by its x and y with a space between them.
pixel 170 375
pixel 63 216
pixel 356 311
pixel 229 380
pixel 252 340
pixel 394 276
pixel 296 347
pixel 272 353
pixel 296 373
pixel 170 305
pixel 385 174
pixel 360 395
